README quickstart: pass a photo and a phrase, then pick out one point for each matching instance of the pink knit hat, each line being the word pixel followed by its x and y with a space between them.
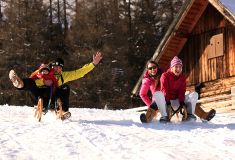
pixel 176 61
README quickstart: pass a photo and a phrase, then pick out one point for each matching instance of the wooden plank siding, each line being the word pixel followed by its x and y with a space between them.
pixel 197 66
pixel 231 50
pixel 183 28
pixel 203 36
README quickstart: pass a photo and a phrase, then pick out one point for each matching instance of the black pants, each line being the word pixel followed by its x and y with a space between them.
pixel 61 92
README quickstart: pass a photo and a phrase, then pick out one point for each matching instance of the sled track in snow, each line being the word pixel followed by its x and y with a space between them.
pixel 83 143
pixel 17 146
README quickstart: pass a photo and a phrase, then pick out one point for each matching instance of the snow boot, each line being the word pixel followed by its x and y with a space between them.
pixel 190 117
pixel 207 116
pixel 210 115
pixel 148 117
pixel 16 81
pixel 164 119
pixel 66 115
pixel 150 114
pixel 143 118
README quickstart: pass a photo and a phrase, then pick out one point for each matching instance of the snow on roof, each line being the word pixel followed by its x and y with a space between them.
pixel 229 4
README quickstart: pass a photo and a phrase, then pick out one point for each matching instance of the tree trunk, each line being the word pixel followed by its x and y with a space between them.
pixel 116 11
pixel 0 10
pixel 50 12
pixel 76 10
pixel 130 20
pixel 130 27
pixel 58 15
pixel 65 19
pixel 50 21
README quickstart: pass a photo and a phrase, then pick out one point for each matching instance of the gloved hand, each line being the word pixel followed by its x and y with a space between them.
pixel 154 106
pixel 48 82
pixel 168 103
pixel 182 104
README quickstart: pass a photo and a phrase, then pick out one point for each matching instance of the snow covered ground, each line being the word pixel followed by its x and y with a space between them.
pixel 93 134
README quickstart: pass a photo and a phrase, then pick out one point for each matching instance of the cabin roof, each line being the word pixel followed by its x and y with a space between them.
pixel 181 27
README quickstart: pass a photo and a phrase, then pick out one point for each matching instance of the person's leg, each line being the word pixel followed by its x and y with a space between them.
pixel 47 95
pixel 15 79
pixel 191 101
pixel 63 93
pixel 26 84
pixel 150 114
pixel 30 85
pixel 159 99
pixel 204 115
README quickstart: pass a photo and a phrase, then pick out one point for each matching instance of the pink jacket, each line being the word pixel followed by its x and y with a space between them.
pixel 173 87
pixel 148 83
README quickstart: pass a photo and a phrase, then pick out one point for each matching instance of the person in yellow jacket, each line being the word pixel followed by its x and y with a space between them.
pixel 40 87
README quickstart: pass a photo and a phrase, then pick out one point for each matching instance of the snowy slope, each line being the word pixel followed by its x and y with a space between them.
pixel 93 134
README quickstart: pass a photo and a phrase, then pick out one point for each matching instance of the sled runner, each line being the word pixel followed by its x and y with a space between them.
pixel 38 112
pixel 60 114
pixel 181 109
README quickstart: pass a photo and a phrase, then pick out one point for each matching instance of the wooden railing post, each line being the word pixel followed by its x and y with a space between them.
pixel 233 95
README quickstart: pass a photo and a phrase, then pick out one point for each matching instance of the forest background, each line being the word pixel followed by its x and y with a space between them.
pixel 127 32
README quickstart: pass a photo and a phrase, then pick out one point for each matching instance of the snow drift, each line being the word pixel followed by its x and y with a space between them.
pixel 105 134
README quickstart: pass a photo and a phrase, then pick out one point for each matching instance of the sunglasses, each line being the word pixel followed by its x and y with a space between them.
pixel 153 67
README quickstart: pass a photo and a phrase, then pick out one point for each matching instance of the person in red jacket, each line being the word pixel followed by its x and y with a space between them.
pixel 151 82
pixel 38 86
pixel 47 75
pixel 173 88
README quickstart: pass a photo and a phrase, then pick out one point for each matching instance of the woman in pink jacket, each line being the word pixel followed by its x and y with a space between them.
pixel 168 88
pixel 150 82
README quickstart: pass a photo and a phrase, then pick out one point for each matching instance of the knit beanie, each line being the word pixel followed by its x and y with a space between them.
pixel 176 61
pixel 59 62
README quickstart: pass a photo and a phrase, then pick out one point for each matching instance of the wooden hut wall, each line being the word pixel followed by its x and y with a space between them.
pixel 230 46
pixel 195 54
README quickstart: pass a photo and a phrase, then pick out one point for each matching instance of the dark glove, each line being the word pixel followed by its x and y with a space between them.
pixel 154 106
pixel 182 104
pixel 168 103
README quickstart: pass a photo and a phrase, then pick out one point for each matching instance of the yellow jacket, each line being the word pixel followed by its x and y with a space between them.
pixel 68 76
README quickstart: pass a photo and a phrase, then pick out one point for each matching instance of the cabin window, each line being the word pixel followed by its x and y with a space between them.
pixel 216 46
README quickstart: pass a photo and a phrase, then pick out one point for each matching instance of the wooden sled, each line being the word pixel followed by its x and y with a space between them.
pixel 60 114
pixel 180 110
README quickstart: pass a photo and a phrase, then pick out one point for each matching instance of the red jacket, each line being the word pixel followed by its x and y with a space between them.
pixel 49 76
pixel 148 83
pixel 172 86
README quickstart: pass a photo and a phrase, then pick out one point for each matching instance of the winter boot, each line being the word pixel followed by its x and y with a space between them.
pixel 16 81
pixel 164 119
pixel 65 115
pixel 143 118
pixel 204 115
pixel 210 114
pixel 190 117
pixel 150 114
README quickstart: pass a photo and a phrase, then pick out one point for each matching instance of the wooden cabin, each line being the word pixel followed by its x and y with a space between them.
pixel 203 36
